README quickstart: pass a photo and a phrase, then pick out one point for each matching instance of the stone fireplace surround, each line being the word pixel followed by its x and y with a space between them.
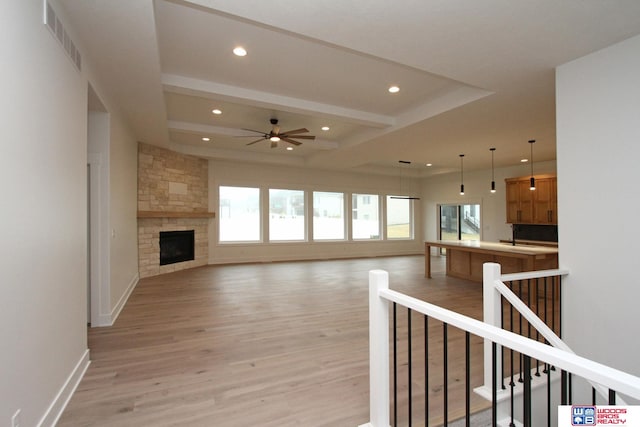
pixel 172 196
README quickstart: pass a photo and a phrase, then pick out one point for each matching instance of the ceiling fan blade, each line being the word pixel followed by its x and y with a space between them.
pixel 298 136
pixel 253 130
pixel 291 132
pixel 257 140
pixel 290 141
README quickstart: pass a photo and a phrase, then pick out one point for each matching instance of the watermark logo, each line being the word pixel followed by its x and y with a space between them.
pixel 598 415
pixel 583 415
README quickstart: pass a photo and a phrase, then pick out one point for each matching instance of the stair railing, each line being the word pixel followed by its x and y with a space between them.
pixel 379 298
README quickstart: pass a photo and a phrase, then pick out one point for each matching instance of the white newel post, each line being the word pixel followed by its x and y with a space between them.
pixel 492 315
pixel 378 350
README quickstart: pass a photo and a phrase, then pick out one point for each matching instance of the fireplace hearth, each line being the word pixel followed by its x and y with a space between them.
pixel 177 246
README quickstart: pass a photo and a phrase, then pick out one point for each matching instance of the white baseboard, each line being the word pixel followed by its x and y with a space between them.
pixel 57 406
pixel 123 299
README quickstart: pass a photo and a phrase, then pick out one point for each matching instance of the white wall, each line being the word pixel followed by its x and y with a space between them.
pixel 123 207
pixel 265 176
pixel 598 146
pixel 43 167
pixel 44 229
pixel 445 189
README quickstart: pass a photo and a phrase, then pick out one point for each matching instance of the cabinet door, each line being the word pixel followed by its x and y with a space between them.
pixel 526 203
pixel 519 202
pixel 513 201
pixel 545 201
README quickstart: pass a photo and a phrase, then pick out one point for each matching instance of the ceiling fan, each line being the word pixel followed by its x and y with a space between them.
pixel 275 135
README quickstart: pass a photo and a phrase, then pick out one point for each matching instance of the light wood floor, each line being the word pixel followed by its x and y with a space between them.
pixel 281 344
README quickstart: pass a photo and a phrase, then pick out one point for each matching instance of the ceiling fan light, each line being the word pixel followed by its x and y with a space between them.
pixel 274 139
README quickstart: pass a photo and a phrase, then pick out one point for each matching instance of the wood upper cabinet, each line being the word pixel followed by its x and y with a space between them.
pixel 525 206
pixel 545 205
pixel 519 202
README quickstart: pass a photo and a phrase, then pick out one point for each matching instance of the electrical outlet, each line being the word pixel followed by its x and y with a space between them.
pixel 15 420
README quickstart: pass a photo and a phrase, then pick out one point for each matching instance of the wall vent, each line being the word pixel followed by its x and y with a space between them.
pixel 52 22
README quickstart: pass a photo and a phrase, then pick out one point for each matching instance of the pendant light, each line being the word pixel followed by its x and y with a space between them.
pixel 532 180
pixel 493 180
pixel 403 162
pixel 461 176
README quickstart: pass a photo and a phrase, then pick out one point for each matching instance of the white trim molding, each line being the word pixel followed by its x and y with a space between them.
pixel 60 402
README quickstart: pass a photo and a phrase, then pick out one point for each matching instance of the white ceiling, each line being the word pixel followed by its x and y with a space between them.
pixel 472 75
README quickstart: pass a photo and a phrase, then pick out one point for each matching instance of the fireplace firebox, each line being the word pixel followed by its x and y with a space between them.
pixel 176 246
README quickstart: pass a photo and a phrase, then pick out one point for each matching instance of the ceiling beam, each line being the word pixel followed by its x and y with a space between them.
pixel 239 95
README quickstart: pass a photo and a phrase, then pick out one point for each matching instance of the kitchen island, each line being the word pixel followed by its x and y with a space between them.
pixel 466 257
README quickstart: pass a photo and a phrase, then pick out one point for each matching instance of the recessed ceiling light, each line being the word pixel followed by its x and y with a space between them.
pixel 394 89
pixel 524 160
pixel 325 128
pixel 216 111
pixel 289 148
pixel 204 138
pixel 429 164
pixel 240 51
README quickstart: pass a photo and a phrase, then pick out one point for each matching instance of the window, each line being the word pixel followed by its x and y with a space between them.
pixel 399 218
pixel 239 214
pixel 328 216
pixel 365 216
pixel 286 215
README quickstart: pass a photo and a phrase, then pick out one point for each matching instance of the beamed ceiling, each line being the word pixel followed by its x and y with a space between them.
pixel 472 75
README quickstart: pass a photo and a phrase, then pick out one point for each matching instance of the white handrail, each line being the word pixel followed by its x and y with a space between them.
pixel 537 274
pixel 379 290
pixel 585 368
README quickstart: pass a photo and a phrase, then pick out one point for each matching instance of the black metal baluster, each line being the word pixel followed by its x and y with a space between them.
pixel 563 387
pixel 548 372
pixel 526 397
pixel 612 397
pixel 512 383
pixel 395 368
pixel 409 362
pixel 520 379
pixel 494 386
pixel 570 382
pixel 559 280
pixel 593 395
pixel 537 282
pixel 546 310
pixel 426 371
pixel 502 349
pixel 445 345
pixel 467 378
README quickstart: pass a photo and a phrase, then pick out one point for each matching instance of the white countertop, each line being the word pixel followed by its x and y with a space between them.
pixel 495 246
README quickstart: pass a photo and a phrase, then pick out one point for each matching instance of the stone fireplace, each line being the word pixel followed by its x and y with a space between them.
pixel 172 197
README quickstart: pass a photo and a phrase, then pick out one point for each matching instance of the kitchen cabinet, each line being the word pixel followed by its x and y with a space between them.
pixel 525 206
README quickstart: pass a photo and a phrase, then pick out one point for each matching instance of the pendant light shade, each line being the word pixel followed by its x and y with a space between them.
pixel 493 180
pixel 461 175
pixel 532 180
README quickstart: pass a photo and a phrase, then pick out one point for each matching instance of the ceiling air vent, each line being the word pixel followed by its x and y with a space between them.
pixel 57 29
